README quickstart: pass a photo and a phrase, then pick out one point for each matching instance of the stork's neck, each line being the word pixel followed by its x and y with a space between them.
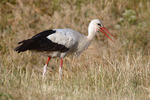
pixel 91 32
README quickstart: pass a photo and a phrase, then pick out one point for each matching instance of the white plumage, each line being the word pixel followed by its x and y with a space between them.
pixel 65 37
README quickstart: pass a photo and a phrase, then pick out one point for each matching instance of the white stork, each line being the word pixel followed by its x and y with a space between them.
pixel 62 42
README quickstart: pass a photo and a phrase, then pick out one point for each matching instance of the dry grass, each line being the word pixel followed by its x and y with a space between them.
pixel 107 71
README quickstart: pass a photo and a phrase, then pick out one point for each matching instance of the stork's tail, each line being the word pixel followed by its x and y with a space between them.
pixel 25 45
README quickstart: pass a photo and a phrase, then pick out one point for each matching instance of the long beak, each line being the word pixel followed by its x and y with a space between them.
pixel 106 32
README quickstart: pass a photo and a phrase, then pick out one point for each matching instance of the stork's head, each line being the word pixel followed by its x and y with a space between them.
pixel 96 26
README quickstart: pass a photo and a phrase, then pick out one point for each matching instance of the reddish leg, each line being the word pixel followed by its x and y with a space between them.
pixel 45 66
pixel 60 68
pixel 61 62
pixel 49 58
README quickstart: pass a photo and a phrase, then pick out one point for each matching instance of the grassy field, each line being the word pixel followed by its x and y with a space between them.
pixel 107 70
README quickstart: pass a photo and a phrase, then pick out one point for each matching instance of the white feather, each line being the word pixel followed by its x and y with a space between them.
pixel 66 37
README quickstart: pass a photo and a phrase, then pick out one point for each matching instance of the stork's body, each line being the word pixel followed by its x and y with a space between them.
pixel 61 42
pixel 73 42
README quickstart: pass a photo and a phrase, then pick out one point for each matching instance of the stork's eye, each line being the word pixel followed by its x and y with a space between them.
pixel 99 24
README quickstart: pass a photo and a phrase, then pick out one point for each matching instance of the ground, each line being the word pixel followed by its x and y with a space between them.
pixel 107 70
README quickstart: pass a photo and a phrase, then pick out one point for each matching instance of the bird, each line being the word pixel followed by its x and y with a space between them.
pixel 62 42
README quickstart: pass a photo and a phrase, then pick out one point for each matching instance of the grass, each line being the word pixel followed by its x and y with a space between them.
pixel 107 70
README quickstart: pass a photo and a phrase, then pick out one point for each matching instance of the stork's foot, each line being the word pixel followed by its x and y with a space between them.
pixel 44 70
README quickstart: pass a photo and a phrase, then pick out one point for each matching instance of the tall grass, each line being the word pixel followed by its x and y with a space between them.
pixel 108 71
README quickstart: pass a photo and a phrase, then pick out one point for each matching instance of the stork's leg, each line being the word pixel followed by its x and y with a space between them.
pixel 60 68
pixel 45 66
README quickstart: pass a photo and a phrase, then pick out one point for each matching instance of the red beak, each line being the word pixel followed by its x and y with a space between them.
pixel 106 32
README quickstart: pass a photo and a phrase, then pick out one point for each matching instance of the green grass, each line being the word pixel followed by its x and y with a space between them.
pixel 108 70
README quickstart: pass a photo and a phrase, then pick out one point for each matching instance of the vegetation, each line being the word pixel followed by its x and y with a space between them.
pixel 118 70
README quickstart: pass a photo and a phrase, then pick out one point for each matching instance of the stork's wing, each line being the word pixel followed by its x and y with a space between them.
pixel 65 37
pixel 40 42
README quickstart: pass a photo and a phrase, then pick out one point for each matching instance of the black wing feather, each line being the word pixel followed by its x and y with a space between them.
pixel 40 42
